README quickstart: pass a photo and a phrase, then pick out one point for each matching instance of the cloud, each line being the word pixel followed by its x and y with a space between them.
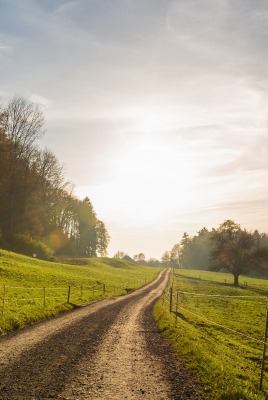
pixel 143 60
pixel 220 36
pixel 36 98
pixel 192 19
pixel 88 151
pixel 249 156
pixel 152 102
pixel 249 213
pixel 218 23
pixel 5 47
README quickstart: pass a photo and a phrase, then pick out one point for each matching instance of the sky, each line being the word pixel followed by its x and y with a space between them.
pixel 158 109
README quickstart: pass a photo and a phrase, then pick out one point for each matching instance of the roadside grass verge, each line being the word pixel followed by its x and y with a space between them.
pixel 32 289
pixel 219 332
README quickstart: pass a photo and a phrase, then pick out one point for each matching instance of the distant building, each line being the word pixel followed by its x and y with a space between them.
pixel 129 259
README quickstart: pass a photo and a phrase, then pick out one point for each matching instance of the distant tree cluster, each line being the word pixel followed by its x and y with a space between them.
pixel 228 248
pixel 36 203
pixel 138 259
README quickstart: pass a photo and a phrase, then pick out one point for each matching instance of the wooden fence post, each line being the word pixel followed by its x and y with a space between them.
pixel 44 296
pixel 170 298
pixel 177 303
pixel 164 295
pixel 264 346
pixel 3 300
pixel 69 294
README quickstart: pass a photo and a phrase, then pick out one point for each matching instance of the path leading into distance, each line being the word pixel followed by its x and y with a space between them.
pixel 109 350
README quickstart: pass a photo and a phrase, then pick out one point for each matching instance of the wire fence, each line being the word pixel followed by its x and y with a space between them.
pixel 17 296
pixel 227 280
pixel 174 299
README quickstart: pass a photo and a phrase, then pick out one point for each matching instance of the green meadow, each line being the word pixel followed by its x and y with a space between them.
pixel 218 331
pixel 32 289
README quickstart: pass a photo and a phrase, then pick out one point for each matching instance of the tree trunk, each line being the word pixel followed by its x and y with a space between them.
pixel 236 280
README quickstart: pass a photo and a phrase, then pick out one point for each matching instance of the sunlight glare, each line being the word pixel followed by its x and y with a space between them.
pixel 153 122
pixel 152 119
pixel 145 169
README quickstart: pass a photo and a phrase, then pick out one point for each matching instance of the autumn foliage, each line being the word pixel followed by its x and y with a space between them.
pixel 37 205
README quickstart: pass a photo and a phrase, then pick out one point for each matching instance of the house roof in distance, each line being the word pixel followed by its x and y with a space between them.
pixel 129 259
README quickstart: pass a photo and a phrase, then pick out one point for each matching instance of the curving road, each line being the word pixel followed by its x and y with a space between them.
pixel 108 350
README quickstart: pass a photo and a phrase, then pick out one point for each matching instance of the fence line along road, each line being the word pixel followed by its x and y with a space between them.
pixel 17 294
pixel 169 295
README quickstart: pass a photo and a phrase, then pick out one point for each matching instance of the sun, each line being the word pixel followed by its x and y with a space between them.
pixel 150 119
pixel 154 122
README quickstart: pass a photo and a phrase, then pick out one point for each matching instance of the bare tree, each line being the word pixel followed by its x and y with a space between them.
pixel 165 258
pixel 139 258
pixel 120 254
pixel 22 122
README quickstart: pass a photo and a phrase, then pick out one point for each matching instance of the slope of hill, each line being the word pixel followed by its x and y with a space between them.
pixel 33 289
pixel 218 330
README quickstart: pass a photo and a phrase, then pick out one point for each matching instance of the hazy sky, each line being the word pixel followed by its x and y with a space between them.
pixel 157 108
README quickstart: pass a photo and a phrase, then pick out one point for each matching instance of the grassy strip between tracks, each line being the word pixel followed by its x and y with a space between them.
pixel 217 335
pixel 32 289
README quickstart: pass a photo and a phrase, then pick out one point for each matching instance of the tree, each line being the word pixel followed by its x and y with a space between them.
pixel 153 262
pixel 185 251
pixel 22 122
pixel 139 258
pixel 87 237
pixel 166 258
pixel 35 200
pixel 4 178
pixel 175 255
pixel 103 239
pixel 195 251
pixel 236 250
pixel 120 254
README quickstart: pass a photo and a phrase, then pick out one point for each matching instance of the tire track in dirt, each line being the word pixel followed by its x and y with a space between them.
pixel 122 367
pixel 107 350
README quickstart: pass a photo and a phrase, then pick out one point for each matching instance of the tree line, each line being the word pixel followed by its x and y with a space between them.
pixel 138 258
pixel 38 209
pixel 227 248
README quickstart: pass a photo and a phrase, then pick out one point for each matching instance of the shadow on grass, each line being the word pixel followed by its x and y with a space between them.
pixel 234 396
pixel 180 315
pixel 231 285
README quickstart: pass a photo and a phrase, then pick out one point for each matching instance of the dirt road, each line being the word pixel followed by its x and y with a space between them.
pixel 108 350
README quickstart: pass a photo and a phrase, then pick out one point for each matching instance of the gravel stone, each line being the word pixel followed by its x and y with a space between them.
pixel 110 349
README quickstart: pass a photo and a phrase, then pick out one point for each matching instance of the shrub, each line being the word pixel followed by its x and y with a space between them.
pixel 28 246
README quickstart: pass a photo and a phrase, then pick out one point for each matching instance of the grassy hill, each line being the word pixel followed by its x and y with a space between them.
pixel 219 331
pixel 32 289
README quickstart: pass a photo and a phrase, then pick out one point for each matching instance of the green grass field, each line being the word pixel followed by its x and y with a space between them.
pixel 32 289
pixel 219 331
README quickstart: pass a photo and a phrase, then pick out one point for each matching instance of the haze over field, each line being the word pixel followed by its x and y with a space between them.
pixel 157 108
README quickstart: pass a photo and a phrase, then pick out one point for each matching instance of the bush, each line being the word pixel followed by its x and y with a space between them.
pixel 28 246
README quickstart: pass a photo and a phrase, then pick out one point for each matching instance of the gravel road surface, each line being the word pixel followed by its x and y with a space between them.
pixel 110 349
